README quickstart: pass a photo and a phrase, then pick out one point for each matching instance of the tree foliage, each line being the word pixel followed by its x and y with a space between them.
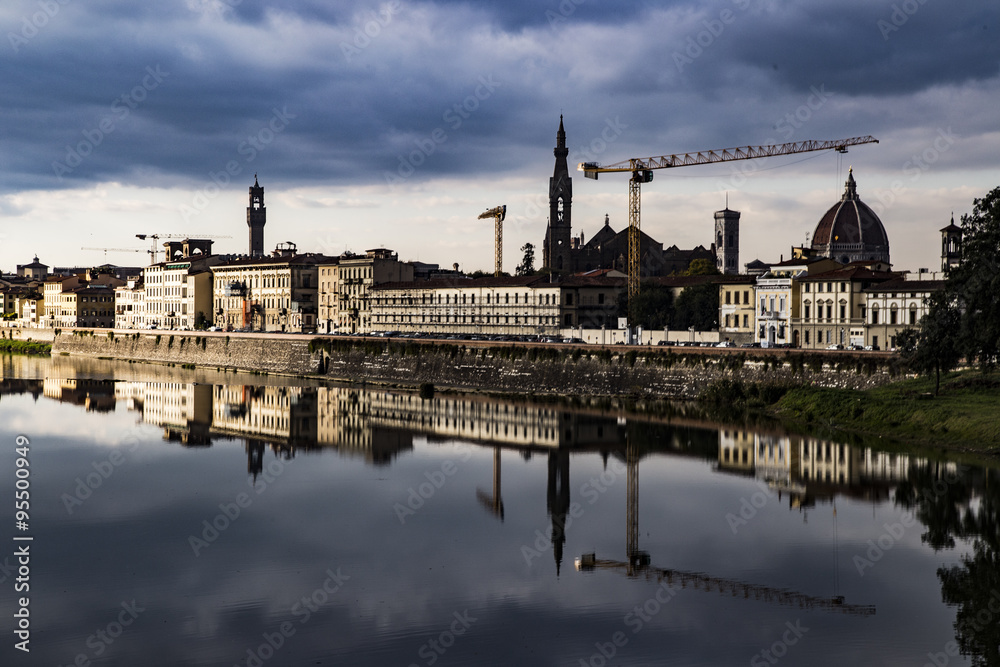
pixel 701 267
pixel 936 347
pixel 527 265
pixel 653 308
pixel 974 286
pixel 697 306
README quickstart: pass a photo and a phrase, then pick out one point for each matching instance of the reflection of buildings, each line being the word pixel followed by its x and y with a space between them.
pixel 810 468
pixel 94 395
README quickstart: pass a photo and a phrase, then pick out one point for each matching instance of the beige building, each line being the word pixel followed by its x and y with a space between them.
pixel 130 305
pixel 31 310
pixel 178 292
pixel 737 309
pixel 898 304
pixel 518 305
pixel 277 293
pixel 777 299
pixel 328 308
pixel 832 306
pixel 75 301
pixel 357 275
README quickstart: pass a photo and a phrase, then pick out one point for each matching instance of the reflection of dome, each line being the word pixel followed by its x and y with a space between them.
pixel 850 231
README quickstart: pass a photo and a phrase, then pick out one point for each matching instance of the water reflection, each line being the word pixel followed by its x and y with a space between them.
pixel 807 476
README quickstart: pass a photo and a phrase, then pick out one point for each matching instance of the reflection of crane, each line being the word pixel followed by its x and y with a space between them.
pixel 493 503
pixel 639 562
pixel 498 214
pixel 641 170
pixel 107 250
pixel 701 581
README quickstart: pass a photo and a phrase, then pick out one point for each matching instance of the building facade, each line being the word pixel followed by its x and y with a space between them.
pixel 277 293
pixel 357 276
pixel 898 304
pixel 519 305
pixel 130 305
pixel 833 306
pixel 777 300
pixel 737 309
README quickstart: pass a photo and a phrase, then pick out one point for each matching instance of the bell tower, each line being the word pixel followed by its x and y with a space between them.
pixel 727 240
pixel 951 246
pixel 556 248
pixel 256 218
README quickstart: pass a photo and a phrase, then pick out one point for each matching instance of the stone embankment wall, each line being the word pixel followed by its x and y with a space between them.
pixel 579 370
pixel 18 333
pixel 256 353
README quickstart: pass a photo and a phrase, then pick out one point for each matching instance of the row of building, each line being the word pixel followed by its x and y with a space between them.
pixel 839 289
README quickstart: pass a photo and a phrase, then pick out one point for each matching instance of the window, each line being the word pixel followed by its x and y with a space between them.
pixel 875 314
pixel 569 298
pixel 568 319
pixel 807 336
pixel 600 298
pixel 745 325
pixel 728 298
pixel 806 309
pixel 746 297
pixel 843 311
pixel 913 315
pixel 806 287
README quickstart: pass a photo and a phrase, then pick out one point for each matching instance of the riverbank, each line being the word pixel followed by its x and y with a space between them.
pixel 964 417
pixel 9 346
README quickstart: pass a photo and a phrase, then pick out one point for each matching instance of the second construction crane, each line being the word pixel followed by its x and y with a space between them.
pixel 498 214
pixel 642 172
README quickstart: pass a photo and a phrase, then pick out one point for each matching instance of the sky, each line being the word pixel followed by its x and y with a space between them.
pixel 395 124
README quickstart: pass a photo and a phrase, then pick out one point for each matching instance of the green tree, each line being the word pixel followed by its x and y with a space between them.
pixel 936 347
pixel 653 308
pixel 701 267
pixel 975 284
pixel 697 306
pixel 527 265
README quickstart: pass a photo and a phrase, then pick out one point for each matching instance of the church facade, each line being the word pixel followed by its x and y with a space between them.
pixel 607 249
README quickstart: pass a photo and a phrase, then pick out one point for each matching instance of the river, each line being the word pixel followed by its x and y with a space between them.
pixel 201 518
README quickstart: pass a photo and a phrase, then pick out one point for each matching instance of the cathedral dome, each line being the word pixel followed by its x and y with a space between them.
pixel 850 231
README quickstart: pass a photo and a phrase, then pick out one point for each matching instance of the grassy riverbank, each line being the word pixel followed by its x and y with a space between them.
pixel 964 417
pixel 24 346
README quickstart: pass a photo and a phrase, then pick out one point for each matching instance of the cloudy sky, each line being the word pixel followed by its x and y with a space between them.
pixel 396 123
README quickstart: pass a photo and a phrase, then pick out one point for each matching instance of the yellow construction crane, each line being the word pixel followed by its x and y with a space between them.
pixel 642 172
pixel 498 214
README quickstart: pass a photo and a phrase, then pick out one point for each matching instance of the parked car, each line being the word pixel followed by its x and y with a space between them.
pixel 835 346
pixel 725 343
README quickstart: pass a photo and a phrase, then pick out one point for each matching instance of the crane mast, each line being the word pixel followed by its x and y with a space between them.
pixel 642 172
pixel 498 214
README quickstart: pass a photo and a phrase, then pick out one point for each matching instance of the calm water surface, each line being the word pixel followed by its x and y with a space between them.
pixel 191 518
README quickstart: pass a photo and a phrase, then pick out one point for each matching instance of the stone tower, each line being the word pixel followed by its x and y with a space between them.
pixel 556 248
pixel 256 218
pixel 951 245
pixel 727 240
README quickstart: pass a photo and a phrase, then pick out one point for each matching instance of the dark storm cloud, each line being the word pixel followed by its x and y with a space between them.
pixel 450 87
